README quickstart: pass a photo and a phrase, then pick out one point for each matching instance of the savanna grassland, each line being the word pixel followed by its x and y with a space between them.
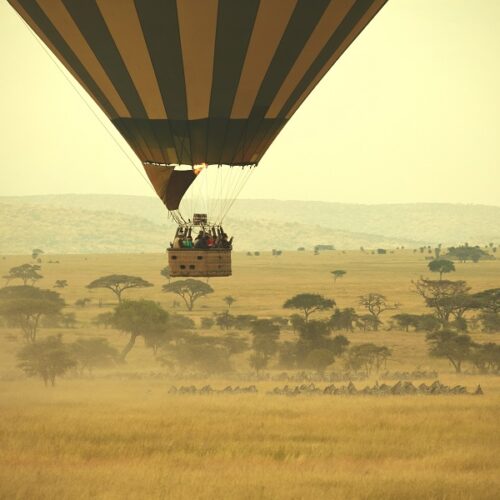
pixel 120 435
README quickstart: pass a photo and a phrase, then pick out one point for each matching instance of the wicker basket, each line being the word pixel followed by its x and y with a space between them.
pixel 199 263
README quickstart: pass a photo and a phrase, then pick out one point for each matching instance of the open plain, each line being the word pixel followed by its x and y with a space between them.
pixel 119 434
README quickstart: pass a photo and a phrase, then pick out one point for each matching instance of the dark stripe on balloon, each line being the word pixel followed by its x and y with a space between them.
pixel 140 136
pixel 161 31
pixel 91 24
pixel 43 22
pixel 235 21
pixel 124 130
pixel 348 24
pixel 152 139
pixel 162 131
pixel 304 20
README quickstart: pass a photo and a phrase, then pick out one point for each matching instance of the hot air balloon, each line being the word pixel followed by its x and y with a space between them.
pixel 198 88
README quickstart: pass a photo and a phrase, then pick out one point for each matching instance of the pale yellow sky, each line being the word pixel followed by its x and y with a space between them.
pixel 411 113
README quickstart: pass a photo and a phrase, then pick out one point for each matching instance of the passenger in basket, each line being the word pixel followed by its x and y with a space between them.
pixel 224 242
pixel 179 236
pixel 210 240
pixel 188 242
pixel 201 241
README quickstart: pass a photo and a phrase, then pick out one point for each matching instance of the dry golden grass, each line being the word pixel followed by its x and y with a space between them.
pixel 132 440
pixel 124 439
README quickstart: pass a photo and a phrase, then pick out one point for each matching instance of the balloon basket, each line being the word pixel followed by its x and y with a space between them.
pixel 195 263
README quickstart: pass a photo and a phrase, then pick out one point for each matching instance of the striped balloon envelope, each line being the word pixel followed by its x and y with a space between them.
pixel 197 82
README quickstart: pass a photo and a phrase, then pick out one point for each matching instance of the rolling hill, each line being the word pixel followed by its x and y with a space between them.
pixel 131 224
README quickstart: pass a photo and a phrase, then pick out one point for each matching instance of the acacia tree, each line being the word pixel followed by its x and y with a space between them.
pixel 25 272
pixel 229 300
pixel 367 357
pixel 486 357
pixel 47 359
pixel 258 361
pixel 93 353
pixel 24 306
pixel 343 319
pixel 441 266
pixel 61 284
pixel 450 345
pixel 338 273
pixel 465 252
pixel 309 303
pixel 405 320
pixel 265 339
pixel 447 298
pixel 315 335
pixel 376 304
pixel 36 252
pixel 165 272
pixel 141 318
pixel 488 300
pixel 368 322
pixel 118 283
pixel 189 290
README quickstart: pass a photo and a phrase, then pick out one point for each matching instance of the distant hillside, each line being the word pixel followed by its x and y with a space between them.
pixel 73 230
pixel 113 223
pixel 427 222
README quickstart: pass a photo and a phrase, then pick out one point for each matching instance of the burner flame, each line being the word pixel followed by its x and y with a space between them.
pixel 198 168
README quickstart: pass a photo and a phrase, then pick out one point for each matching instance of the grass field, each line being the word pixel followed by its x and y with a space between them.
pixel 112 438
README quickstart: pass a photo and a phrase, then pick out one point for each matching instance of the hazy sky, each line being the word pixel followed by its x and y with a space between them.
pixel 411 113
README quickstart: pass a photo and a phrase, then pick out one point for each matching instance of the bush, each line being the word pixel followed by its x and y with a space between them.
pixel 244 321
pixel 104 319
pixel 178 322
pixel 198 353
pixel 206 323
pixel 82 302
pixel 93 353
pixel 225 321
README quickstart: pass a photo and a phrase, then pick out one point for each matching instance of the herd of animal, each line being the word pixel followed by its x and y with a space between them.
pixel 399 388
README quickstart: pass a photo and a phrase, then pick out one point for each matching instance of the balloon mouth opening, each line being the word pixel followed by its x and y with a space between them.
pixel 198 167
